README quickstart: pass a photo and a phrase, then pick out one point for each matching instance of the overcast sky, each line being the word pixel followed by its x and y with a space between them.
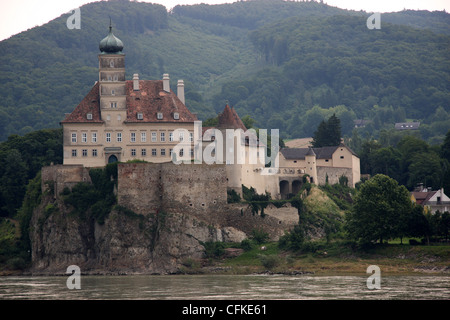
pixel 19 15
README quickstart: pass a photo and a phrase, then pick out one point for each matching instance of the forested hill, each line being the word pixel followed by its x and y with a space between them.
pixel 286 64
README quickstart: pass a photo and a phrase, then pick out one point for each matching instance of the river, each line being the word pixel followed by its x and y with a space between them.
pixel 226 287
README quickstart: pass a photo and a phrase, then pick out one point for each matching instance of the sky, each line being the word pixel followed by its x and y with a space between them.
pixel 19 15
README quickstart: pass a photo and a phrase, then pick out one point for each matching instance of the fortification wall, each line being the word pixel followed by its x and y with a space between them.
pixel 60 176
pixel 333 175
pixel 148 187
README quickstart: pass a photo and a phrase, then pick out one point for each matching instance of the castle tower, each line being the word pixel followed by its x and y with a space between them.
pixel 111 74
pixel 311 166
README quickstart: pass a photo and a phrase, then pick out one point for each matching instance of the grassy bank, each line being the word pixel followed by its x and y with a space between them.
pixel 338 258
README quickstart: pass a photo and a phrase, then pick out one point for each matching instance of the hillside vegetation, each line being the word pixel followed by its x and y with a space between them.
pixel 287 64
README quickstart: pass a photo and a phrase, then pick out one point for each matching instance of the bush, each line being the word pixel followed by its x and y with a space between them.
pixel 213 249
pixel 260 236
pixel 233 196
pixel 269 261
pixel 246 245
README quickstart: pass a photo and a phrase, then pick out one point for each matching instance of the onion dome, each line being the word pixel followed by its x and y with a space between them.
pixel 111 44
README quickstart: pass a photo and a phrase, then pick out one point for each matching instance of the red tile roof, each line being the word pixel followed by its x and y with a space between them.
pixel 229 119
pixel 90 104
pixel 149 100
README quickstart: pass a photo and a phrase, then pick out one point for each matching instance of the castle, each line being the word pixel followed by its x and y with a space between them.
pixel 123 120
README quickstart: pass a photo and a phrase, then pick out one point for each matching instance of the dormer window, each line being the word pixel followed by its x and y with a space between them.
pixel 140 116
pixel 176 116
pixel 89 116
pixel 159 115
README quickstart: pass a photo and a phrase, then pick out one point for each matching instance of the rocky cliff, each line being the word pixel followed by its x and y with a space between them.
pixel 136 238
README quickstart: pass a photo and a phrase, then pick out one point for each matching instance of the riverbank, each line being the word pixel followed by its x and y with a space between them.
pixel 334 259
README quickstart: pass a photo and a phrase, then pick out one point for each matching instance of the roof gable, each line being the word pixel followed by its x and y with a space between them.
pixel 89 105
pixel 229 119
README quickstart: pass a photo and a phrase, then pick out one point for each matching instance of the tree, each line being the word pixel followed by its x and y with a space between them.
pixel 328 133
pixel 13 183
pixel 380 208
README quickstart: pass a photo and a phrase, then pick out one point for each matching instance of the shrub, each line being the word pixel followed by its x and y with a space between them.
pixel 213 249
pixel 246 245
pixel 260 236
pixel 269 261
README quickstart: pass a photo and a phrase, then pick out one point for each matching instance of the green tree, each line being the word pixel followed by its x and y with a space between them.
pixel 379 210
pixel 13 183
pixel 328 133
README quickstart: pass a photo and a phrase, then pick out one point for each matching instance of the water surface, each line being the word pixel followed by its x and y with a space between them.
pixel 226 287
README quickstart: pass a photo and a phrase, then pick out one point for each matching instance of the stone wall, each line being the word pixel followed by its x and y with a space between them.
pixel 148 187
pixel 333 175
pixel 60 176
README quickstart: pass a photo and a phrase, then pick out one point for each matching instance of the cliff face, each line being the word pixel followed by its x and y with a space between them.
pixel 163 215
pixel 124 243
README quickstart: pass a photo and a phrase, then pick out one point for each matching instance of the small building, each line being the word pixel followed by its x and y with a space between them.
pixel 407 125
pixel 432 201
pixel 360 123
pixel 323 165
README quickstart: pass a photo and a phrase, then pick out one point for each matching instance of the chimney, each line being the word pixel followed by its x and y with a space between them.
pixel 166 82
pixel 180 90
pixel 135 82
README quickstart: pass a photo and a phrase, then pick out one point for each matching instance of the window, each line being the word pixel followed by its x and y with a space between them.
pixel 143 152
pixel 84 137
pixel 133 137
pixel 176 115
pixel 191 152
pixel 143 136
pixel 94 137
pixel 191 136
pixel 154 152
pixel 140 116
pixel 181 136
pixel 170 136
pixel 89 116
pixel 111 63
pixel 74 138
pixel 133 152
pixel 153 136
pixel 181 152
pixel 159 115
pixel 119 136
pixel 114 105
pixel 170 152
pixel 108 137
pixel 342 157
pixel 163 152
pixel 113 92
pixel 108 117
pixel 163 137
pixel 119 118
pixel 84 152
pixel 74 152
pixel 94 152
